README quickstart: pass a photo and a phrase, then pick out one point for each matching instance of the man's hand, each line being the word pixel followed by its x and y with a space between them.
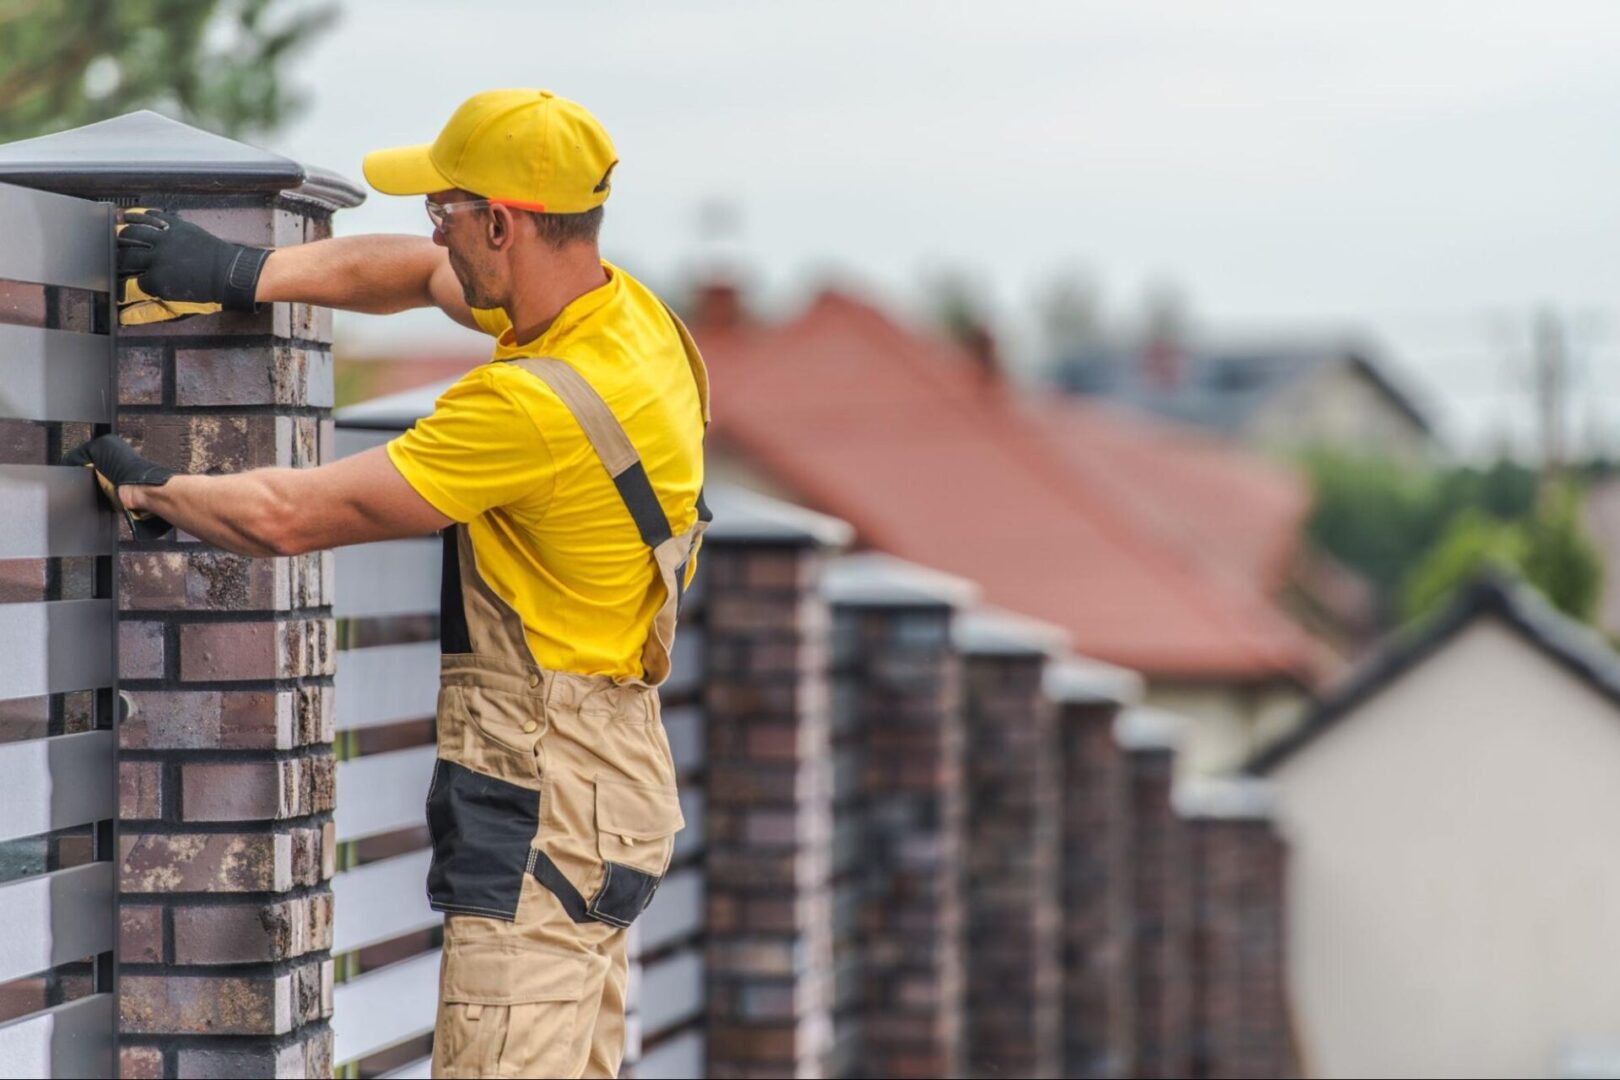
pixel 171 259
pixel 116 465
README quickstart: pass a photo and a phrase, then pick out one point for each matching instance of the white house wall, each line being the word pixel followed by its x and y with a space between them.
pixel 1454 876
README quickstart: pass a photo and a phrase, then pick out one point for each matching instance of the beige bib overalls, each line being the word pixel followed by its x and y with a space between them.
pixel 553 807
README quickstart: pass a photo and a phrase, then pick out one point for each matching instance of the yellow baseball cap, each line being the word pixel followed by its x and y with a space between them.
pixel 525 148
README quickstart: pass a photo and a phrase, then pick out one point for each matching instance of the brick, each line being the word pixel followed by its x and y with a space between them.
pixel 207 1005
pixel 252 933
pixel 309 1056
pixel 140 1063
pixel 256 790
pixel 140 375
pixel 140 934
pixel 238 651
pixel 140 650
pixel 202 579
pixel 215 719
pixel 253 375
pixel 206 862
pixel 196 443
pixel 140 790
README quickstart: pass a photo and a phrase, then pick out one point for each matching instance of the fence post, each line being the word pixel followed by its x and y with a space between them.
pixel 769 805
pixel 1014 973
pixel 1240 1024
pixel 899 818
pixel 1090 696
pixel 226 775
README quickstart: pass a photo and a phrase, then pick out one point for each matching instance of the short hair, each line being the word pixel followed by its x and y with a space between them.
pixel 560 230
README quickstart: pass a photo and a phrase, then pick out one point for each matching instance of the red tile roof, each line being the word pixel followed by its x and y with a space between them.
pixel 1158 549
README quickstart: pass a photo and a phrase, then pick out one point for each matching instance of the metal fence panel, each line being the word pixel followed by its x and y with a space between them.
pixel 386 684
pixel 51 511
pixel 384 792
pixel 54 240
pixel 680 1058
pixel 55 783
pixel 55 919
pixel 55 375
pixel 384 1007
pixel 396 577
pixel 55 646
pixel 672 991
pixel 75 1039
pixel 381 900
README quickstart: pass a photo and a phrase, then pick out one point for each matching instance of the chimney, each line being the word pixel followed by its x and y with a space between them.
pixel 718 305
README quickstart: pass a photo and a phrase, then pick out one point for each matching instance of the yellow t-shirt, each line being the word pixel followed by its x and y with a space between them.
pixel 550 533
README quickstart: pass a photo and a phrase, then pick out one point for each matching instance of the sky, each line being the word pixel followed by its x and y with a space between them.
pixel 1421 176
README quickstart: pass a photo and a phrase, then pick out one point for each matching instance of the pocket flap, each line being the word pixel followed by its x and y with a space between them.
pixel 636 811
pixel 499 973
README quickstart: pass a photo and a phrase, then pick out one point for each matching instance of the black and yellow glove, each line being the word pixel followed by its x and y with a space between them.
pixel 169 269
pixel 116 463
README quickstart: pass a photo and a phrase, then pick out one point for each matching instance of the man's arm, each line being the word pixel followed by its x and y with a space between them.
pixel 376 274
pixel 266 512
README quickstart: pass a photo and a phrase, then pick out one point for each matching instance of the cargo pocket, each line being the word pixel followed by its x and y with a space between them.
pixel 635 835
pixel 481 828
pixel 509 1009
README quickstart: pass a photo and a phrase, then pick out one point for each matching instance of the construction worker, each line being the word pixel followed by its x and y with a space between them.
pixel 566 477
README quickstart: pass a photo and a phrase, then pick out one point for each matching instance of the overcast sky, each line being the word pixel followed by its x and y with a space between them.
pixel 1422 174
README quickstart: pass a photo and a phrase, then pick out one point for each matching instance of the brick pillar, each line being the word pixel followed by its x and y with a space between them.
pixel 1014 968
pixel 1240 1020
pixel 768 802
pixel 1154 898
pixel 1095 829
pixel 225 663
pixel 898 693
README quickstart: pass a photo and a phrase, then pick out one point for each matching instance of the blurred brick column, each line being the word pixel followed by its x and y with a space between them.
pixel 1096 826
pixel 1155 898
pixel 900 678
pixel 1014 963
pixel 768 808
pixel 226 663
pixel 1240 1019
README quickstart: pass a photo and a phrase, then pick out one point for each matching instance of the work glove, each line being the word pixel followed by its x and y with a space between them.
pixel 117 463
pixel 170 269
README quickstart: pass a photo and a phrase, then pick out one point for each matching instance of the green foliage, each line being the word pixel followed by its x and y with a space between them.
pixel 213 63
pixel 1549 550
pixel 1418 534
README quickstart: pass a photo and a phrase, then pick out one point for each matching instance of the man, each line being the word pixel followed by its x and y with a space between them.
pixel 566 475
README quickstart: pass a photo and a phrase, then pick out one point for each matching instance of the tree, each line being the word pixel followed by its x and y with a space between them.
pixel 214 63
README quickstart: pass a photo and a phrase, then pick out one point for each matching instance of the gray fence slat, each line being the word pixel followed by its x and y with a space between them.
pixel 690 839
pixel 75 1039
pixel 671 992
pixel 386 684
pixel 54 239
pixel 55 783
pixel 55 646
pixel 54 375
pixel 351 441
pixel 55 918
pixel 686 661
pixel 384 1007
pixel 51 511
pixel 395 577
pixel 683 725
pixel 676 910
pixel 386 792
pixel 381 900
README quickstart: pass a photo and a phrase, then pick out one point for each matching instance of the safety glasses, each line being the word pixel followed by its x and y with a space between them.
pixel 439 213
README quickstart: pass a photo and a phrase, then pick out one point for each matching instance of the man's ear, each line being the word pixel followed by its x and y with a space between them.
pixel 499 229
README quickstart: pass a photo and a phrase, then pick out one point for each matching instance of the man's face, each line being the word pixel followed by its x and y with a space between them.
pixel 462 234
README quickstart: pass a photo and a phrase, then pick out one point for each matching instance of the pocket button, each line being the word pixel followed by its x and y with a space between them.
pixel 530 727
pixel 534 679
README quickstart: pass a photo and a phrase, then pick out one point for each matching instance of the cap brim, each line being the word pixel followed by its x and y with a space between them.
pixel 404 170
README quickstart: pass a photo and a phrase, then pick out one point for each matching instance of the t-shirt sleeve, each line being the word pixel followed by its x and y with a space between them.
pixel 478 450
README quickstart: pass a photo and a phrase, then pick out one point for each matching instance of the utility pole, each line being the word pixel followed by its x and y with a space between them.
pixel 1552 375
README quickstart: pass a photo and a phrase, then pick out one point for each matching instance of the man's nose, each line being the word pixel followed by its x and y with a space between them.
pixel 438 238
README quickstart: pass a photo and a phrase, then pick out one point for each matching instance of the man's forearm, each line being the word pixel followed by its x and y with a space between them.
pixel 243 513
pixel 376 274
